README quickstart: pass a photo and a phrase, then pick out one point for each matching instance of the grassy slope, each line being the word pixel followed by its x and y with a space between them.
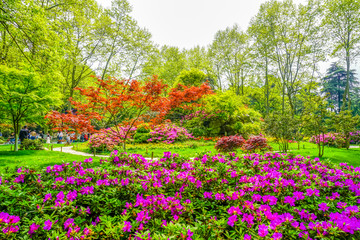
pixel 45 158
pixel 351 156
pixel 34 159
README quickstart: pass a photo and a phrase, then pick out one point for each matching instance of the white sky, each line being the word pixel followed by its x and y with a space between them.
pixel 187 23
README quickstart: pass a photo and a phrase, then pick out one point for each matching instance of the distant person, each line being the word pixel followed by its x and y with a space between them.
pixel 33 135
pixel 41 135
pixel 23 133
pixel 60 136
pixel 12 138
pixel 68 139
pixel 48 138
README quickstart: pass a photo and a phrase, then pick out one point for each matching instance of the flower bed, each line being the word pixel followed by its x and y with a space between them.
pixel 270 196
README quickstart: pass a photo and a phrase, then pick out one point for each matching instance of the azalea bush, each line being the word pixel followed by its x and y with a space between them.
pixel 169 133
pixel 270 196
pixel 355 137
pixel 336 139
pixel 107 139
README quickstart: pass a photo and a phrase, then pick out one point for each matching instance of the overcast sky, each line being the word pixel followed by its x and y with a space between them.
pixel 187 23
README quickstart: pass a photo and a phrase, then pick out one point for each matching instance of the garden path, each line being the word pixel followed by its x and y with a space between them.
pixel 72 151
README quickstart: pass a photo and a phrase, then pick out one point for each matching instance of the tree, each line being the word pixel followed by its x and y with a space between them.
pixel 290 31
pixel 334 84
pixel 24 96
pixel 283 127
pixel 315 121
pixel 230 54
pixel 112 102
pixel 343 22
pixel 167 63
pixel 192 77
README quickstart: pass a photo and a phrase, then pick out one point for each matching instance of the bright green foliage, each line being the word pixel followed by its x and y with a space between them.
pixel 234 117
pixel 28 144
pixel 229 54
pixel 192 77
pixel 167 64
pixel 24 96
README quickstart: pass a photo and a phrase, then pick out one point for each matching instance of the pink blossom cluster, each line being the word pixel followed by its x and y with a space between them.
pixel 111 137
pixel 169 133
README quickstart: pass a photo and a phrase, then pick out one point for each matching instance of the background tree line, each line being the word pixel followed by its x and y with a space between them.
pixel 274 63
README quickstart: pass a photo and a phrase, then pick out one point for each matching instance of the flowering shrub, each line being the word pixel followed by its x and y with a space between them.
pixel 230 143
pixel 256 143
pixel 355 137
pixel 270 196
pixel 330 139
pixel 109 138
pixel 169 133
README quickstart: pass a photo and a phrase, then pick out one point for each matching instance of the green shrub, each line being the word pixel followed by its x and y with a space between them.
pixel 28 144
pixel 141 137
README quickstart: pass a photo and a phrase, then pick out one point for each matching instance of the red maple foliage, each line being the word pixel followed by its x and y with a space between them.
pixel 114 101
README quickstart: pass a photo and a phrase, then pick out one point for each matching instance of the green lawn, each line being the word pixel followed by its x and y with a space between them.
pixel 34 159
pixel 41 159
pixel 335 155
pixel 351 156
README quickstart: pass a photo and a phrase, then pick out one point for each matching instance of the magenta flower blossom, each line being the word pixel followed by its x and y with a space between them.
pixel 232 220
pixel 323 207
pixel 10 229
pixel 263 230
pixel 87 190
pixel 12 219
pixel 247 237
pixel 71 196
pixel 276 236
pixel 68 223
pixel 32 228
pixel 234 210
pixel 208 194
pixel 47 225
pixel 127 226
pixel 298 195
pixel 47 197
pixel 341 205
pixel 290 201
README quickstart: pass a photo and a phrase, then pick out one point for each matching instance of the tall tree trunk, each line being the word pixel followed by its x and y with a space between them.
pixel 16 131
pixel 339 95
pixel 283 98
pixel 266 85
pixel 347 88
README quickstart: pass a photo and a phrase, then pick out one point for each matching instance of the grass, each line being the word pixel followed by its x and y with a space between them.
pixel 192 148
pixel 41 159
pixel 34 159
pixel 156 150
pixel 335 155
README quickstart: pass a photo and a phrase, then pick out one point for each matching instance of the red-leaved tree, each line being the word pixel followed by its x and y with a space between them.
pixel 114 101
